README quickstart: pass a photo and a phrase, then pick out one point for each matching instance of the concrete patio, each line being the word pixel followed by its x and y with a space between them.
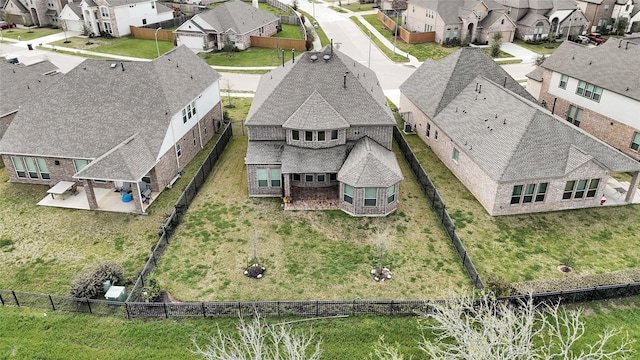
pixel 616 191
pixel 108 200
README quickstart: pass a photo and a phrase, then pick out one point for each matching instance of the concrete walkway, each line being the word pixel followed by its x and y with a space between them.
pixel 518 52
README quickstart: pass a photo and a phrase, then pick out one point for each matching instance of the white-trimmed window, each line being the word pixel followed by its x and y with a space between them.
pixel 542 192
pixel 19 167
pixel 456 155
pixel 104 12
pixel 79 164
pixel 391 194
pixel 348 194
pixel 295 134
pixel 370 196
pixel 574 115
pixel 527 193
pixel 635 141
pixel 296 177
pixel 321 178
pixel 589 91
pixel 308 136
pixel 107 27
pixel 321 135
pixel 563 81
pixel 178 150
pixel 333 177
pixel 428 129
pixel 334 134
pixel 577 189
pixel 275 177
pixel 263 180
pixel 308 178
pixel 184 115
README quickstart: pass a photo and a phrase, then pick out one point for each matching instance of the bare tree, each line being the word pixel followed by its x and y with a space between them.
pixel 256 340
pixel 487 328
pixel 381 272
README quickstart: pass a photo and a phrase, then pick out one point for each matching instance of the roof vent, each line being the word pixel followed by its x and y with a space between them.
pixel 326 57
pixel 313 58
pixel 113 65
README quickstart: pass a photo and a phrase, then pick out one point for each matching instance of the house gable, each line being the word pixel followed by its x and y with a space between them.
pixel 315 114
pixel 370 164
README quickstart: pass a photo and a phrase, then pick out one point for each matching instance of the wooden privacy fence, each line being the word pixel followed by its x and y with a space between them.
pixel 278 43
pixel 404 34
pixel 146 33
pixel 438 206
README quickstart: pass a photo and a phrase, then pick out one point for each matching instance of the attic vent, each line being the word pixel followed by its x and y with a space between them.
pixel 113 65
pixel 326 57
pixel 313 58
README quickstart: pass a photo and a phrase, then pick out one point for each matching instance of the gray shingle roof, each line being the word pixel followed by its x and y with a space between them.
pixel 612 65
pixel 126 162
pixel 282 91
pixel 490 19
pixel 21 84
pixel 233 15
pixel 536 74
pixel 514 139
pixel 532 18
pixel 315 114
pixel 123 2
pixel 448 10
pixel 434 84
pixel 304 160
pixel 95 107
pixel 90 3
pixel 76 8
pixel 370 164
pixel 264 152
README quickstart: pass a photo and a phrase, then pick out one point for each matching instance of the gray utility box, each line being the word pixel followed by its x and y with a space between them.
pixel 116 293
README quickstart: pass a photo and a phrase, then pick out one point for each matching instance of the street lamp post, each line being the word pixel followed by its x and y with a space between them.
pixel 156 37
pixel 395 36
pixel 369 50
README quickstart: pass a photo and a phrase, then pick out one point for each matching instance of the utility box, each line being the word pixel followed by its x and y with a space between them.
pixel 116 293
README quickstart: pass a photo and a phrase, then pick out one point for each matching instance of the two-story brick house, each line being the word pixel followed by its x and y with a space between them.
pixel 513 155
pixel 320 132
pixel 596 89
pixel 598 12
pixel 34 12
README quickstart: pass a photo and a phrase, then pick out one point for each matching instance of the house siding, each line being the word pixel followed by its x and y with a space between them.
pixel 358 208
pixel 615 133
pixel 381 134
pixel 315 144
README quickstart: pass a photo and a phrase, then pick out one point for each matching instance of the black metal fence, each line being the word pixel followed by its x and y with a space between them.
pixel 438 206
pixel 185 199
pixel 316 308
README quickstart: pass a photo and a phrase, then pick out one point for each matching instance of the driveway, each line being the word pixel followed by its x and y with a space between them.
pixel 518 52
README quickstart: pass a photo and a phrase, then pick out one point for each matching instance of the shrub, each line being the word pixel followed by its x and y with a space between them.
pixel 151 289
pixel 498 285
pixel 89 284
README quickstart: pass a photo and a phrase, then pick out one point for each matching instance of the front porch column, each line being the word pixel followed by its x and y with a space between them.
pixel 633 187
pixel 287 185
pixel 136 198
pixel 91 196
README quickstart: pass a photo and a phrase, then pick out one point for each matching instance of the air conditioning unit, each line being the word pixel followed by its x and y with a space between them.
pixel 407 127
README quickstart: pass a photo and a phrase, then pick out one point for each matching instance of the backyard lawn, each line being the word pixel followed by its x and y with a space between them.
pixel 252 56
pixel 530 247
pixel 28 34
pixel 308 255
pixel 422 52
pixel 290 32
pixel 42 249
pixel 125 46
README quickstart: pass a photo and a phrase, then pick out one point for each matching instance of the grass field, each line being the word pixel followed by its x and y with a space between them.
pixel 420 51
pixel 542 49
pixel 29 334
pixel 125 46
pixel 28 34
pixel 252 56
pixel 379 44
pixel 308 255
pixel 290 32
pixel 530 247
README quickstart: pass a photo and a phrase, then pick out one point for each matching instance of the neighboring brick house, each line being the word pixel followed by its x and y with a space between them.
pixel 596 89
pixel 232 22
pixel 453 20
pixel 116 125
pixel 115 16
pixel 34 12
pixel 513 155
pixel 538 19
pixel 320 131
pixel 20 84
pixel 598 12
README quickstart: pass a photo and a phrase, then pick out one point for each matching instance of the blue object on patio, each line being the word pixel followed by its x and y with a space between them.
pixel 126 197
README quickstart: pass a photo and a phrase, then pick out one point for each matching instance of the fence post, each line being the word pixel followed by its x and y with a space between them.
pixel 317 308
pixel 166 314
pixel 15 297
pixel 278 308
pixel 153 256
pixel 204 311
pixel 1 300
pixel 126 307
pixel 443 212
pixel 89 305
pixel 53 307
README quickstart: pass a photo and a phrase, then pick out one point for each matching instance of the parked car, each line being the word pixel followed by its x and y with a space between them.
pixel 596 38
pixel 581 39
pixel 6 25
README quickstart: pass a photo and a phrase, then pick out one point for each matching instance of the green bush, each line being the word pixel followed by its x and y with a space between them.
pixel 89 284
pixel 498 285
pixel 151 289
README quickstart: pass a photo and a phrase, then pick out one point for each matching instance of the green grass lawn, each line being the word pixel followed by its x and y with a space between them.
pixel 501 54
pixel 273 10
pixel 337 9
pixel 354 5
pixel 42 249
pixel 75 53
pixel 379 44
pixel 308 254
pixel 529 247
pixel 542 49
pixel 290 31
pixel 252 56
pixel 125 46
pixel 28 34
pixel 29 334
pixel 422 51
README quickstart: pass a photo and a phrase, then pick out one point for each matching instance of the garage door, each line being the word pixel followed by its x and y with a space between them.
pixel 506 36
pixel 191 41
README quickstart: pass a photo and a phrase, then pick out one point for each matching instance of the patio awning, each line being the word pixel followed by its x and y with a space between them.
pixel 128 161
